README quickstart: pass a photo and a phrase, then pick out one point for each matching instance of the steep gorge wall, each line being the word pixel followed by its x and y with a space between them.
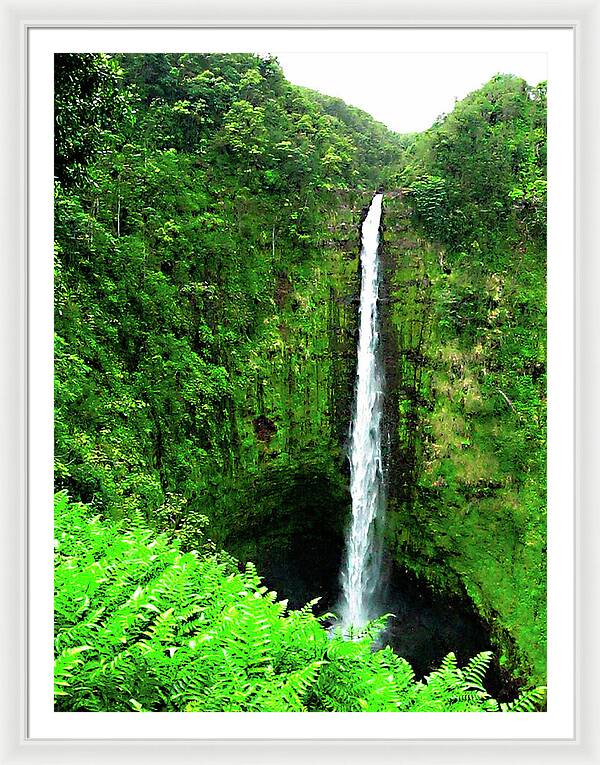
pixel 287 503
pixel 466 505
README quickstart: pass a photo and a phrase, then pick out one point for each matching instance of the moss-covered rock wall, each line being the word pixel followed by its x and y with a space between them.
pixel 287 502
pixel 465 391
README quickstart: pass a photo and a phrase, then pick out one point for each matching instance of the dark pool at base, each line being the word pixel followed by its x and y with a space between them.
pixel 424 627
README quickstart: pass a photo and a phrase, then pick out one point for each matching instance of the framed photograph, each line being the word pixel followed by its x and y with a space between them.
pixel 291 430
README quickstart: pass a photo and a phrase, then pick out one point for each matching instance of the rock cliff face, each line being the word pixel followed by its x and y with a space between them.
pixel 459 517
pixel 288 501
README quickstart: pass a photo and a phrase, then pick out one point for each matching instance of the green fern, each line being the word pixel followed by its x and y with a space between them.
pixel 527 701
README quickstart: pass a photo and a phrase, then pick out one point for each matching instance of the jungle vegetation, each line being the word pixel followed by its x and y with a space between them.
pixel 206 223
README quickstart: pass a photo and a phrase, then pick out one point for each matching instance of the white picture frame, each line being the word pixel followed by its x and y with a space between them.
pixel 17 19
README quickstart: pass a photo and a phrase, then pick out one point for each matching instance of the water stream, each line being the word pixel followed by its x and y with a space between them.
pixel 361 569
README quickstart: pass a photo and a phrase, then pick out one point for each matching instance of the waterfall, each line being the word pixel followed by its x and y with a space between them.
pixel 361 569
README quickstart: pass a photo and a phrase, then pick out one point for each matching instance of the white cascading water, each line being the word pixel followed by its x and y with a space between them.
pixel 362 566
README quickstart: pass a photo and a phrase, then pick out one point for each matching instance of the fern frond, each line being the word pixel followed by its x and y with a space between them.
pixel 527 701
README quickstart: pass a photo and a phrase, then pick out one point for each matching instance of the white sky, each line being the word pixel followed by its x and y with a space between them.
pixel 406 91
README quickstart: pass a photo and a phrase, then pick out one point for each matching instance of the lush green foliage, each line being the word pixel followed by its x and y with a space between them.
pixel 470 315
pixel 142 626
pixel 87 103
pixel 193 299
pixel 480 173
pixel 206 264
